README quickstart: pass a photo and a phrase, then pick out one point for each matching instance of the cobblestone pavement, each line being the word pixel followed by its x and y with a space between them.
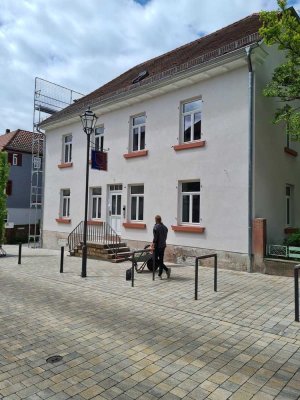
pixel 147 342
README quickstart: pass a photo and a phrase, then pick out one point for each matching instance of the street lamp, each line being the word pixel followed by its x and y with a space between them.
pixel 88 120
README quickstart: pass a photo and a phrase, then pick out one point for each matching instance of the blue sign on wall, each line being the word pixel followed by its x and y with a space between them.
pixel 99 160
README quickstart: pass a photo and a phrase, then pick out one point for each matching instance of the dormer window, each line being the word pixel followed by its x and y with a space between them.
pixel 142 75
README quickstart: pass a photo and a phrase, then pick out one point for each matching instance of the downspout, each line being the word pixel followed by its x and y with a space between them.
pixel 250 157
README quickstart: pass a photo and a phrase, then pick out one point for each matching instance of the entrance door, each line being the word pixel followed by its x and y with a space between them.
pixel 114 207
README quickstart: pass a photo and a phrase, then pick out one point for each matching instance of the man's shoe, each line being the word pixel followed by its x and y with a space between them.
pixel 160 277
pixel 169 272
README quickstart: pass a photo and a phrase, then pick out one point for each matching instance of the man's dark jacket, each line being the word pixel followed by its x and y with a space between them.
pixel 160 233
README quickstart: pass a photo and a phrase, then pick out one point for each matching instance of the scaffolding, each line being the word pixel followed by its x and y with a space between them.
pixel 49 98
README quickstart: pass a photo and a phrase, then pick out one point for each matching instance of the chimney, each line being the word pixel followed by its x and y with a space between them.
pixel 7 131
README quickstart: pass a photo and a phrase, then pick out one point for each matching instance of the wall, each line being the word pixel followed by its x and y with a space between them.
pixel 274 168
pixel 18 203
pixel 221 165
pixel 20 216
pixel 21 178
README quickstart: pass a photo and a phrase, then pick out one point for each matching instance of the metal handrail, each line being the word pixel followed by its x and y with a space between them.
pixel 100 233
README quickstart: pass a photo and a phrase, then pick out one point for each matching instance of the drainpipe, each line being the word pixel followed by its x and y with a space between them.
pixel 250 157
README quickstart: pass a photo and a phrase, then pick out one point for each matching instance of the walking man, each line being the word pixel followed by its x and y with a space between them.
pixel 160 233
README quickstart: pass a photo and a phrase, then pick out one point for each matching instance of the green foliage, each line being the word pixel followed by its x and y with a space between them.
pixel 293 239
pixel 282 28
pixel 4 172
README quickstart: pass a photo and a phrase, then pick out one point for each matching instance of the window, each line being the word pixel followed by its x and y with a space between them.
pixel 191 120
pixel 15 159
pixel 137 203
pixel 65 203
pixel 288 141
pixel 190 202
pixel 96 202
pixel 115 188
pixel 9 188
pixel 99 138
pixel 67 149
pixel 289 196
pixel 138 131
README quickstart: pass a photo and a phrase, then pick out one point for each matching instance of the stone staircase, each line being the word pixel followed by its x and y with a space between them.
pixel 114 253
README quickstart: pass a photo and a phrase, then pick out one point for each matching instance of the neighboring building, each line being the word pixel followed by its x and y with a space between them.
pixel 190 137
pixel 18 145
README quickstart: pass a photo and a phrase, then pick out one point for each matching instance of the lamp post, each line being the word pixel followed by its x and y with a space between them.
pixel 88 120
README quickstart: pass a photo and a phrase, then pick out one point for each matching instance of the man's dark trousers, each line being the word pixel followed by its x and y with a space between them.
pixel 159 260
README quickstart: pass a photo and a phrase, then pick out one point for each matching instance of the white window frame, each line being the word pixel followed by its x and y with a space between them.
pixel 15 159
pixel 67 149
pixel 289 205
pixel 98 198
pixel 190 194
pixel 98 137
pixel 192 113
pixel 138 196
pixel 65 199
pixel 139 129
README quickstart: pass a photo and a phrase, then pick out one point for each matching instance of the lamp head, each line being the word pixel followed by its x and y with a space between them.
pixel 88 120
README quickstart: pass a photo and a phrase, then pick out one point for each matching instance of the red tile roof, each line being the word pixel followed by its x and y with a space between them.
pixel 18 140
pixel 223 41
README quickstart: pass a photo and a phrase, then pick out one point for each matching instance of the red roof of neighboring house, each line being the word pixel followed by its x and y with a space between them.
pixel 228 39
pixel 18 140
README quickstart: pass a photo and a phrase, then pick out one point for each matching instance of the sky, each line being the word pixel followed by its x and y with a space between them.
pixel 83 44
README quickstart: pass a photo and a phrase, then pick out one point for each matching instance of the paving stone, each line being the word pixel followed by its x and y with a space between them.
pixel 147 342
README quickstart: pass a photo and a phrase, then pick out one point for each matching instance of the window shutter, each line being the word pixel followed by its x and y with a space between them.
pixel 19 164
pixel 10 157
pixel 9 188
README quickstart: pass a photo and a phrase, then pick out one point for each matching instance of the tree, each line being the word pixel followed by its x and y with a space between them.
pixel 4 172
pixel 282 28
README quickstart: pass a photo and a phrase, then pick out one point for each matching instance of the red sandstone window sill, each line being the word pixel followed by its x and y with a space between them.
pixel 65 165
pixel 291 152
pixel 192 145
pixel 94 222
pixel 133 154
pixel 63 220
pixel 134 225
pixel 291 230
pixel 191 229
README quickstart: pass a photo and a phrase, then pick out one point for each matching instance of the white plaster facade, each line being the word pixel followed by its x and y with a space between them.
pixel 221 165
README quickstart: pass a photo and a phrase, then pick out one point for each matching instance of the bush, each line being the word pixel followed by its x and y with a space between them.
pixel 293 240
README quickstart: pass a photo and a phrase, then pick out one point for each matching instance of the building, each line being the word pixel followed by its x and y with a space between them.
pixel 18 145
pixel 190 137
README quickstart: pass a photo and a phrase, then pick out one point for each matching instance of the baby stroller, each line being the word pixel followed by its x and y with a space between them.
pixel 143 259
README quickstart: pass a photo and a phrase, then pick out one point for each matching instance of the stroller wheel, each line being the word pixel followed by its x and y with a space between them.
pixel 150 265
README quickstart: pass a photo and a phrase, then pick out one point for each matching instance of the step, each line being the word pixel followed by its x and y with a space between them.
pixel 102 246
pixel 119 250
pixel 105 252
pixel 124 255
pixel 105 246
